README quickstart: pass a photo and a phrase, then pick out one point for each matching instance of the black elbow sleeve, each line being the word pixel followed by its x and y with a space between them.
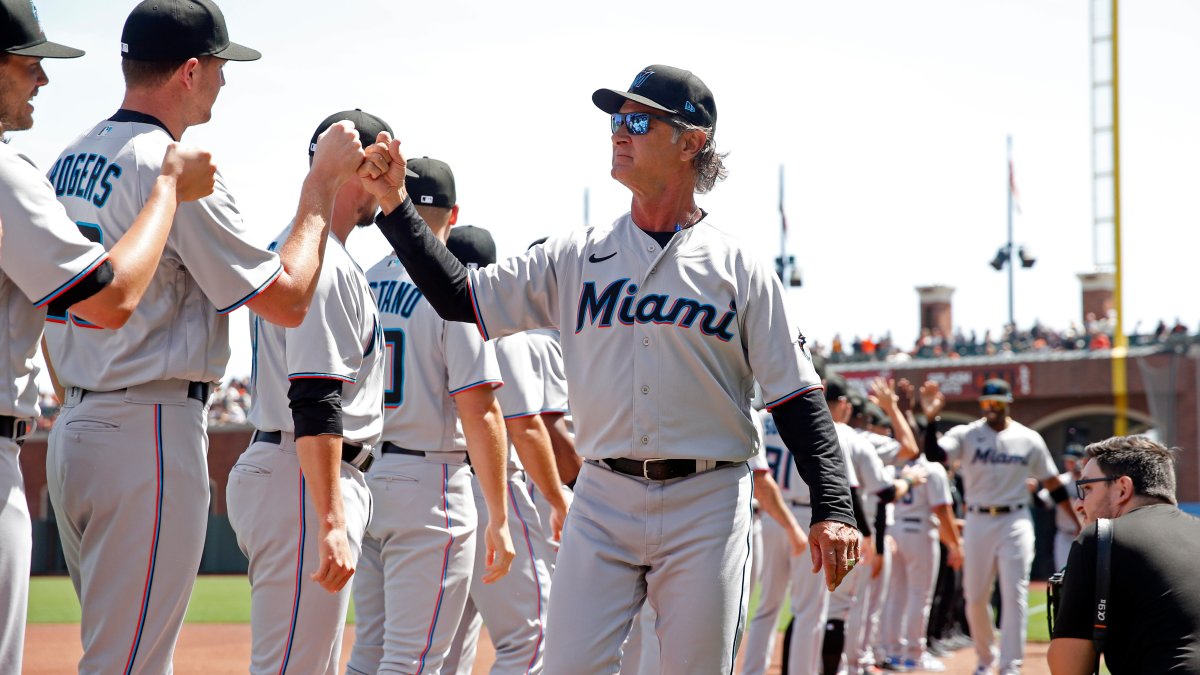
pixel 860 513
pixel 88 286
pixel 933 450
pixel 316 405
pixel 440 276
pixel 807 430
pixel 880 527
pixel 888 494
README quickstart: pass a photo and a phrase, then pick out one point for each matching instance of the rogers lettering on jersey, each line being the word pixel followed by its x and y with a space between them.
pixel 655 308
pixel 992 456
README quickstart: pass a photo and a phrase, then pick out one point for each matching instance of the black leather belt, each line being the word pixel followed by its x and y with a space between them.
pixel 14 427
pixel 349 451
pixel 995 510
pixel 910 520
pixel 390 448
pixel 196 390
pixel 657 469
pixel 796 502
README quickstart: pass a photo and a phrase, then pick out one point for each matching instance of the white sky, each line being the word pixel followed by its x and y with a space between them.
pixel 890 117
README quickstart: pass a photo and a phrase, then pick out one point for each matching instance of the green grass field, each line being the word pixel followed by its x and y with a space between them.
pixel 226 599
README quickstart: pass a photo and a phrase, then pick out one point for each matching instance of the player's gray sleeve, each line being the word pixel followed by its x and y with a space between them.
pixel 1041 465
pixel 327 344
pixel 210 238
pixel 951 442
pixel 517 294
pixel 522 395
pixel 937 485
pixel 470 362
pixel 43 252
pixel 774 346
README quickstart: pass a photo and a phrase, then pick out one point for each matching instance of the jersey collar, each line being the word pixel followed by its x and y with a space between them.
pixel 126 115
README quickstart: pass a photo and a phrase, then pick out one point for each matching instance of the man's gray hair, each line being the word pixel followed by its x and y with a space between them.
pixel 710 164
pixel 1149 465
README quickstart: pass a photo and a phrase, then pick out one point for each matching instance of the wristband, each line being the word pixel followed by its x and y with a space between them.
pixel 1059 494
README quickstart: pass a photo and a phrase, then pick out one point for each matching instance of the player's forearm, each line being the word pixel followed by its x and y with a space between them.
pixel 565 456
pixel 286 302
pixel 134 259
pixel 947 529
pixel 532 443
pixel 770 500
pixel 487 446
pixel 440 276
pixel 807 430
pixel 909 449
pixel 320 462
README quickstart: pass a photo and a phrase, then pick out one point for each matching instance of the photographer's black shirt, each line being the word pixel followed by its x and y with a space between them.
pixel 1154 612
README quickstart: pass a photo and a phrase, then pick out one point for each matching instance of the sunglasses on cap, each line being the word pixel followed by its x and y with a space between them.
pixel 993 405
pixel 638 123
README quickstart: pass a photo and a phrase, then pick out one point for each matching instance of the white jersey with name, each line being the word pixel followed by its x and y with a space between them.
pixel 42 255
pixel 676 335
pixel 429 360
pixel 994 465
pixel 783 467
pixel 340 339
pixel 180 329
pixel 917 505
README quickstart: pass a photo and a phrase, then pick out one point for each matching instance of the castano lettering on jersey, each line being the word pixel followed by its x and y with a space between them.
pixel 656 308
pixel 993 456
pixel 396 297
pixel 85 175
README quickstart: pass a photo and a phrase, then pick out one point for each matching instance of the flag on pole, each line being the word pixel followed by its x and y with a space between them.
pixel 1012 186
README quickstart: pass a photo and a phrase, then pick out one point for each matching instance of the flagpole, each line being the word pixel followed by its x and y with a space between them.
pixel 783 260
pixel 1009 249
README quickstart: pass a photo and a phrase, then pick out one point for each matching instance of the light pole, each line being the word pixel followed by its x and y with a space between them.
pixel 1004 256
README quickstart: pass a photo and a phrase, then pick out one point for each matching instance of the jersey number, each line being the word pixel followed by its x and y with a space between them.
pixel 777 459
pixel 393 393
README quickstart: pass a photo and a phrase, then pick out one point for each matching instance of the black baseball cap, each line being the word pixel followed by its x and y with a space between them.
pixel 472 245
pixel 996 390
pixel 21 33
pixel 836 387
pixel 368 127
pixel 665 88
pixel 169 30
pixel 433 183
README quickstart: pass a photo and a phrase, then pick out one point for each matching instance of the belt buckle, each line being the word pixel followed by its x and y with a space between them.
pixel 993 510
pixel 365 465
pixel 646 468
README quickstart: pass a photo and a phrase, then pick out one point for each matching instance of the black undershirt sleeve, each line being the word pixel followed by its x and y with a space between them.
pixel 316 405
pixel 880 527
pixel 88 286
pixel 888 494
pixel 933 450
pixel 440 276
pixel 807 430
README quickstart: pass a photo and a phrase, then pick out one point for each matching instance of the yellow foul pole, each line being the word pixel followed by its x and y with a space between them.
pixel 1120 384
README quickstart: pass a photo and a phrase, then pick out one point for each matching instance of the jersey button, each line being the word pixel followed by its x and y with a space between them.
pixel 646 341
pixel 650 249
pixel 645 389
pixel 653 270
pixel 645 440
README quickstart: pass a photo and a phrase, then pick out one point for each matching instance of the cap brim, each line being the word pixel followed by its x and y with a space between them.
pixel 611 100
pixel 409 173
pixel 48 50
pixel 235 52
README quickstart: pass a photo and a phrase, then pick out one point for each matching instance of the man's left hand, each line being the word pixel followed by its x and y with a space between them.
pixel 835 547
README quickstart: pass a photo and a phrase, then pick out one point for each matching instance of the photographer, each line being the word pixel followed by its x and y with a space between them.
pixel 1153 613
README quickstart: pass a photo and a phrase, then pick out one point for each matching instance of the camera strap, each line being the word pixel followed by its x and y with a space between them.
pixel 1104 539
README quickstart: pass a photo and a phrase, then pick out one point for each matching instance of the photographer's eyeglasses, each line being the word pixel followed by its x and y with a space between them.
pixel 1080 483
pixel 638 123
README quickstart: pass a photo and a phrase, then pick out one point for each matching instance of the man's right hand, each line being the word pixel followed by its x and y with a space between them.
pixel 500 551
pixel 388 186
pixel 338 156
pixel 932 399
pixel 192 169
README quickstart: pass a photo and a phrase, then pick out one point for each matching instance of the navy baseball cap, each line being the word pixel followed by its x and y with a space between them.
pixel 170 30
pixel 836 387
pixel 996 390
pixel 21 33
pixel 473 246
pixel 433 183
pixel 665 88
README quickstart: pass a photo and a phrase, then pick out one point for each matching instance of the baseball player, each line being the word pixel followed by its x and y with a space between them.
pixel 550 369
pixel 126 465
pixel 921 515
pixel 665 323
pixel 1065 528
pixel 514 607
pixel 298 501
pixel 995 455
pixel 418 557
pixel 46 261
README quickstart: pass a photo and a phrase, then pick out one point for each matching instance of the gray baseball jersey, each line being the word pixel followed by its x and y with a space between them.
pixel 138 452
pixel 994 465
pixel 633 317
pixel 209 267
pixel 550 368
pixel 419 551
pixel 294 620
pixel 42 255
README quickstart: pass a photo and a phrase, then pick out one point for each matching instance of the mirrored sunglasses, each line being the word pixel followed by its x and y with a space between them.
pixel 638 123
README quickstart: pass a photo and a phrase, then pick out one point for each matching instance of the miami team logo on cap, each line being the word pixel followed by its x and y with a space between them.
pixel 687 105
pixel 641 78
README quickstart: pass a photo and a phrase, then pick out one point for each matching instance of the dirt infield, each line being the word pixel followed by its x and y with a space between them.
pixel 219 649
